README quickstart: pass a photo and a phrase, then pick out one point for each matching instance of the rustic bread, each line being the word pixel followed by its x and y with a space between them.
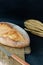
pixel 11 37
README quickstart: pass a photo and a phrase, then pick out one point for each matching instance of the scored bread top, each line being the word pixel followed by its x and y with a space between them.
pixel 8 31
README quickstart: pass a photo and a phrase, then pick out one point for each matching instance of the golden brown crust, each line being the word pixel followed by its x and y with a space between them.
pixel 4 28
pixel 9 32
pixel 11 37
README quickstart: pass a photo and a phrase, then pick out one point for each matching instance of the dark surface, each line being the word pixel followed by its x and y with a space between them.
pixel 17 11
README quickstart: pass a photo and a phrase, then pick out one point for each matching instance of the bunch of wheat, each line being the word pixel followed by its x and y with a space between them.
pixel 34 26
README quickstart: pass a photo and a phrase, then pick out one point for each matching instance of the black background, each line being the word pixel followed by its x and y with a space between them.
pixel 17 11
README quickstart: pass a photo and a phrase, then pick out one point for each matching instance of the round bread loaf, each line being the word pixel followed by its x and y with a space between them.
pixel 13 35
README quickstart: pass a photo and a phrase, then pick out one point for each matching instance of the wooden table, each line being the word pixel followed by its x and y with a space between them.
pixel 5 60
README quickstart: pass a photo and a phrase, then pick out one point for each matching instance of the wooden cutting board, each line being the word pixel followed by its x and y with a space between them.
pixel 5 60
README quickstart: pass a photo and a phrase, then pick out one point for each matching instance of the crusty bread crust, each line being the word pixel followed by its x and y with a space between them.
pixel 11 37
pixel 7 31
